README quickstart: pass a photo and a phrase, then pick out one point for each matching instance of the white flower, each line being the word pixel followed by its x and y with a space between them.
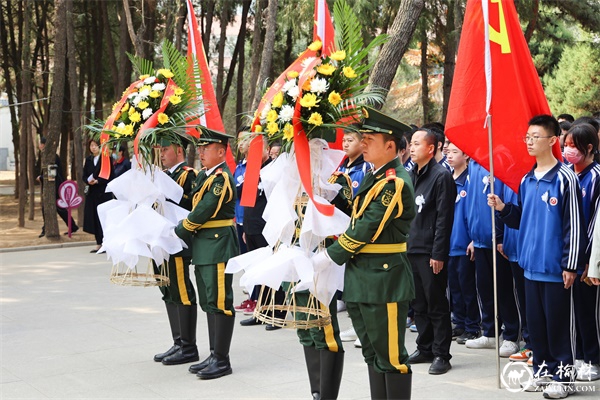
pixel 132 95
pixel 149 80
pixel 144 93
pixel 286 113
pixel 147 113
pixel 307 61
pixel 159 87
pixel 486 182
pixel 319 85
pixel 265 111
pixel 545 199
pixel 139 85
pixel 121 125
pixel 288 85
pixel 420 200
pixel 136 100
pixel 294 92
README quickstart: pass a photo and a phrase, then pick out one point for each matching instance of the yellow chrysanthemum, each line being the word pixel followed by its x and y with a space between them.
pixel 315 46
pixel 277 100
pixel 338 55
pixel 288 132
pixel 258 128
pixel 309 100
pixel 163 118
pixel 272 116
pixel 154 94
pixel 315 119
pixel 306 85
pixel 179 91
pixel 146 87
pixel 272 128
pixel 174 99
pixel 144 76
pixel 165 72
pixel 326 69
pixel 116 129
pixel 125 107
pixel 128 130
pixel 292 74
pixel 142 105
pixel 349 73
pixel 135 116
pixel 334 98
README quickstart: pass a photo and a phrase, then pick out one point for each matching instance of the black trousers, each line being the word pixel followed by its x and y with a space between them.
pixel 432 310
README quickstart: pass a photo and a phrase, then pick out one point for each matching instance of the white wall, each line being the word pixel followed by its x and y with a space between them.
pixel 7 153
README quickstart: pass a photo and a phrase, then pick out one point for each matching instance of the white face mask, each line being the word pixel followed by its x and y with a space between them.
pixel 114 156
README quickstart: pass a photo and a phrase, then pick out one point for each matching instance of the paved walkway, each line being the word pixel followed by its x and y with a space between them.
pixel 68 333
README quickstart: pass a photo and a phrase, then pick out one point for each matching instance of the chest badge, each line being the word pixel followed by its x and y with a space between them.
pixel 420 200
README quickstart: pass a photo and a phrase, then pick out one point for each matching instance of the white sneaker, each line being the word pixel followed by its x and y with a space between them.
pixel 341 306
pixel 508 348
pixel 588 372
pixel 357 343
pixel 536 385
pixel 483 342
pixel 348 335
pixel 558 390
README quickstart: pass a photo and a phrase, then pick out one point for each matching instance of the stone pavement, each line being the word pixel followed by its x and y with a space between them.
pixel 68 333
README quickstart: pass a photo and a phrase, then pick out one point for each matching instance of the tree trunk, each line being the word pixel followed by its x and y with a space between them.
pixel 31 173
pixel 181 13
pixel 56 116
pixel 110 49
pixel 124 47
pixel 239 100
pixel 149 20
pixel 424 76
pixel 221 57
pixel 209 5
pixel 401 33
pixel 267 53
pixel 237 55
pixel 136 39
pixel 450 49
pixel 531 25
pixel 10 91
pixel 25 112
pixel 256 49
pixel 77 165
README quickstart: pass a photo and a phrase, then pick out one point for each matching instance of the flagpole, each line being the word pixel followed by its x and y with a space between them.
pixel 494 252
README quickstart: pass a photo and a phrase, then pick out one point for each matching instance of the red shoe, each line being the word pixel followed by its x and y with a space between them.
pixel 243 306
pixel 249 310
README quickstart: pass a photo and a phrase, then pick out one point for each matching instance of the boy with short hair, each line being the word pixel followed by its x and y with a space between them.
pixel 551 247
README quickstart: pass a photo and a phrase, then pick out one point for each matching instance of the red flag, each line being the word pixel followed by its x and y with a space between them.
pixel 323 28
pixel 495 75
pixel 210 116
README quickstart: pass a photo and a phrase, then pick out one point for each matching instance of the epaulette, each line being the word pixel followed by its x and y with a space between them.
pixel 337 173
pixel 188 168
pixel 219 171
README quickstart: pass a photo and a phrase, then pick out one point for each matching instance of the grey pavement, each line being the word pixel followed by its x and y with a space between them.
pixel 68 333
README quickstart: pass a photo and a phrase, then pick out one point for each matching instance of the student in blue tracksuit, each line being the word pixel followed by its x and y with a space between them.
pixel 354 164
pixel 461 268
pixel 551 249
pixel 480 231
pixel 508 248
pixel 580 144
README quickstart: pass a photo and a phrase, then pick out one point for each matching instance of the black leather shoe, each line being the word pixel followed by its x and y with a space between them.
pixel 219 368
pixel 271 327
pixel 418 358
pixel 42 234
pixel 181 357
pixel 439 366
pixel 174 349
pixel 194 369
pixel 456 332
pixel 250 322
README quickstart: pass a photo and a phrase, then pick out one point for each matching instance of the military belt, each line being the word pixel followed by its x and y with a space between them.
pixel 218 223
pixel 383 248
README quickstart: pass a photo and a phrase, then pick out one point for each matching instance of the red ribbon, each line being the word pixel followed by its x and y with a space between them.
pixel 106 162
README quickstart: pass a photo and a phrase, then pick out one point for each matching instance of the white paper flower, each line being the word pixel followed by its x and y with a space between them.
pixel 294 92
pixel 159 87
pixel 286 113
pixel 149 80
pixel 288 85
pixel 545 199
pixel 486 182
pixel 147 113
pixel 265 111
pixel 420 200
pixel 319 85
pixel 144 93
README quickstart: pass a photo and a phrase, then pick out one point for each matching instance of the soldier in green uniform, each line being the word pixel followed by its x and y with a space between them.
pixel 378 282
pixel 179 296
pixel 210 231
pixel 323 350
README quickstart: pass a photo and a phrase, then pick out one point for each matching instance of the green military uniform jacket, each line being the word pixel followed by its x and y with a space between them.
pixel 185 177
pixel 383 209
pixel 209 228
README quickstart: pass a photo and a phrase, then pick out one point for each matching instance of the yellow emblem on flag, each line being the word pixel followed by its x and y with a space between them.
pixel 500 37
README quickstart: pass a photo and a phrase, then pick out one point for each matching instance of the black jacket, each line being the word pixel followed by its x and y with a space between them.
pixel 253 220
pixel 435 195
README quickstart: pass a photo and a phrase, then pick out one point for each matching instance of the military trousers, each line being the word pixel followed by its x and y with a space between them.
pixel 180 289
pixel 215 292
pixel 381 329
pixel 325 338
